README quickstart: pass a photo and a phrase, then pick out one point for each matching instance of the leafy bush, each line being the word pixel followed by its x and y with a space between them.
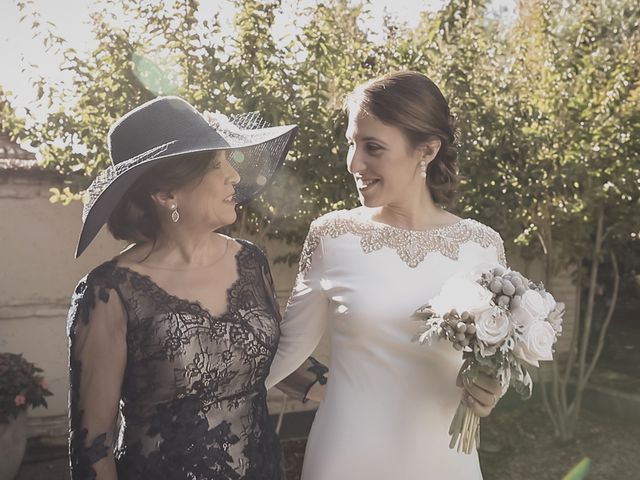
pixel 21 386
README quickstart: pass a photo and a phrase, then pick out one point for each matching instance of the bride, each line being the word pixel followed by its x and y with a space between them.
pixel 388 401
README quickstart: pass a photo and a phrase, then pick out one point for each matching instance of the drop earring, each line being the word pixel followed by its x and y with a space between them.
pixel 423 169
pixel 175 215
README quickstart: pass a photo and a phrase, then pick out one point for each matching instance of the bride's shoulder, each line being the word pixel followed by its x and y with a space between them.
pixel 341 217
pixel 331 222
pixel 480 230
pixel 331 217
pixel 483 235
pixel 340 222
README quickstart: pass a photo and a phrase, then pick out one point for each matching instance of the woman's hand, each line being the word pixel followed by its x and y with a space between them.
pixel 481 394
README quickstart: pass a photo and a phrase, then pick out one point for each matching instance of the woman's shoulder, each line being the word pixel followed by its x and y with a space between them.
pixel 100 276
pixel 248 249
pixel 472 230
pixel 477 226
pixel 330 218
pixel 99 282
pixel 475 230
pixel 338 222
pixel 99 285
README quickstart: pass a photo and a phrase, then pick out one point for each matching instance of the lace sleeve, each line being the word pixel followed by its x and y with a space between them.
pixel 97 358
pixel 305 317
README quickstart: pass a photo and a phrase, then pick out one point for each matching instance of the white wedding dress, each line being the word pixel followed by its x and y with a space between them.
pixel 389 401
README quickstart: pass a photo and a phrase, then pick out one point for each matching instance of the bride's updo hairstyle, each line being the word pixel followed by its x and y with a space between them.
pixel 413 103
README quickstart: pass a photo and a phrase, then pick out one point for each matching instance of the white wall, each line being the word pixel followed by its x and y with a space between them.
pixel 38 276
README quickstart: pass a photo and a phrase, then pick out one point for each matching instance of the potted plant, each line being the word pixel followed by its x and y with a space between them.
pixel 21 386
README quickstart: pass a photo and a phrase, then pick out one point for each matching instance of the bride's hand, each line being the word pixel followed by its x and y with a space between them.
pixel 480 394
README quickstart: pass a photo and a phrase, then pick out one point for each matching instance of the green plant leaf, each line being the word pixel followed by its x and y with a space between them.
pixel 579 471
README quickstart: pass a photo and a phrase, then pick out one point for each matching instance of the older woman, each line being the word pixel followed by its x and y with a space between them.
pixel 176 334
pixel 363 272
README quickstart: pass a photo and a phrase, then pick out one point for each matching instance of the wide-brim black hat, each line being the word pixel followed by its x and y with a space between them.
pixel 169 127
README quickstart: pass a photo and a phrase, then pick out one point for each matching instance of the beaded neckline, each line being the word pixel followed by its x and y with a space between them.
pixel 412 246
pixel 435 230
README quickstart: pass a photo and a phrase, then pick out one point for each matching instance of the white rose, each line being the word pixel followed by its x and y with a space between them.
pixel 536 343
pixel 555 317
pixel 528 308
pixel 463 294
pixel 487 268
pixel 492 326
pixel 549 301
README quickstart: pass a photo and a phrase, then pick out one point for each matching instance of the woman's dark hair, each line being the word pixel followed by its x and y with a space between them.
pixel 412 102
pixel 135 218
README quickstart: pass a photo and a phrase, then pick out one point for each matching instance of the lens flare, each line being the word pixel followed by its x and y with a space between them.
pixel 161 77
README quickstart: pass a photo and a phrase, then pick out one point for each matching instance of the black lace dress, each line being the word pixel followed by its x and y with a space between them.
pixel 188 387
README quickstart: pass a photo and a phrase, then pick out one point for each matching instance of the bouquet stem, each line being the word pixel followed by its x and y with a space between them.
pixel 464 430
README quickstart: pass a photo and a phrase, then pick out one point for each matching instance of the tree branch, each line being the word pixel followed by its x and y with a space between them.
pixel 590 304
pixel 547 406
pixel 542 242
pixel 607 321
pixel 573 348
pixel 607 232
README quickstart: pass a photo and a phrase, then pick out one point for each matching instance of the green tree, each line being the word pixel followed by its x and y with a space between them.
pixel 574 91
pixel 325 62
pixel 10 123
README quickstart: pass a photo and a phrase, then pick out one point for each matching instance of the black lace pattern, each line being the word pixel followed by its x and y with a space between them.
pixel 193 401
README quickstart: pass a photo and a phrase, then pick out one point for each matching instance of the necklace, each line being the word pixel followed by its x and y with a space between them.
pixel 184 269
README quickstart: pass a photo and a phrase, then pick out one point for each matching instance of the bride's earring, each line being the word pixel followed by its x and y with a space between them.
pixel 423 169
pixel 175 215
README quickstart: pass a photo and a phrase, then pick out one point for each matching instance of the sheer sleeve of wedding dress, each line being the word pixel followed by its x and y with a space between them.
pixel 307 313
pixel 389 401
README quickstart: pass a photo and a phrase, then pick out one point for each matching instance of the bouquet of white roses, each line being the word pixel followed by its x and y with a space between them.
pixel 501 322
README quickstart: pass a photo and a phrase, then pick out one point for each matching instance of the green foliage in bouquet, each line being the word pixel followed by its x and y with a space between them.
pixel 21 386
